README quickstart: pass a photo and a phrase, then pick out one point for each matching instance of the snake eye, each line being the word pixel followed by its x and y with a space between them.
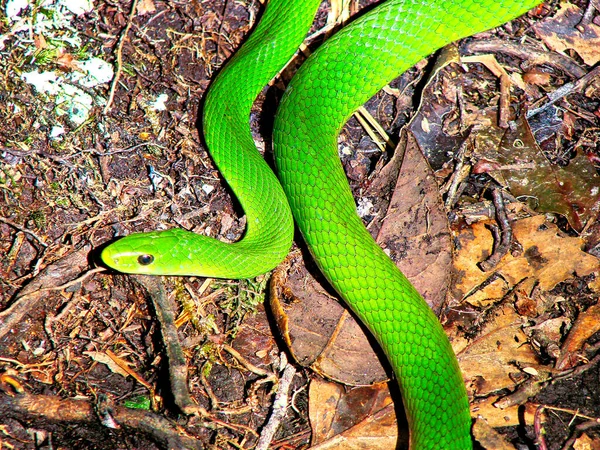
pixel 145 260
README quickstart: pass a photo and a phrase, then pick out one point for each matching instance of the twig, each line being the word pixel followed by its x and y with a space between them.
pixel 247 364
pixel 580 428
pixel 506 235
pixel 77 280
pixel 591 422
pixel 564 90
pixel 279 408
pixel 23 229
pixel 527 52
pixel 504 111
pixel 46 281
pixel 373 129
pixel 586 19
pixel 178 370
pixel 122 39
pixel 49 409
pixel 539 429
pixel 461 172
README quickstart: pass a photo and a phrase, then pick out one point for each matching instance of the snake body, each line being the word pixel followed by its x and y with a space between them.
pixel 339 77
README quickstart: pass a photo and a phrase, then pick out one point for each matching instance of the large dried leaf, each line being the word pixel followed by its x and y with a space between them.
pixel 111 363
pixel 414 231
pixel 358 419
pixel 491 363
pixel 319 331
pixel 498 351
pixel 486 411
pixel 439 125
pixel 564 31
pixel 436 126
pixel 588 323
pixel 573 191
pixel 548 258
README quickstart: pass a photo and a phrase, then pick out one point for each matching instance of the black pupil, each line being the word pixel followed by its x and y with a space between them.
pixel 144 260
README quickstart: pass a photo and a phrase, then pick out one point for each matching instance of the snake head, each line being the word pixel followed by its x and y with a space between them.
pixel 139 253
pixel 170 252
pixel 183 253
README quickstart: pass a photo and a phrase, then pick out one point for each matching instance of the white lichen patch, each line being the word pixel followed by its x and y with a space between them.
pixel 77 7
pixel 74 102
pixel 160 104
pixel 51 22
pixel 43 82
pixel 364 207
pixel 56 132
pixel 14 7
pixel 93 72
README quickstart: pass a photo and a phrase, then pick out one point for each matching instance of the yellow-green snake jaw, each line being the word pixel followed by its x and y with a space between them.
pixel 342 75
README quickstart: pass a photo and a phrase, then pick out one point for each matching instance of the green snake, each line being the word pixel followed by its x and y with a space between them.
pixel 339 77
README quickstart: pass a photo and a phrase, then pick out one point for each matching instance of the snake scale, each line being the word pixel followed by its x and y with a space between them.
pixel 339 77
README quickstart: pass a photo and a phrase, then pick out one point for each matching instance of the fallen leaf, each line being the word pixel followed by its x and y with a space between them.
pixel 319 331
pixel 254 338
pixel 573 190
pixel 548 258
pixel 496 354
pixel 415 231
pixel 67 61
pixel 585 442
pixel 484 410
pixel 103 358
pixel 436 124
pixel 587 324
pixel 145 7
pixel 360 418
pixel 564 32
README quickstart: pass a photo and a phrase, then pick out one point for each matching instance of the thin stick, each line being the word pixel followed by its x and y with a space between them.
pixel 23 229
pixel 280 406
pixel 122 39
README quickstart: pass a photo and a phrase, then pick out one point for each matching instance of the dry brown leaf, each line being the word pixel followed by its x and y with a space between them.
pixel 485 411
pixel 498 352
pixel 319 331
pixel 358 419
pixel 415 232
pixel 254 338
pixel 40 42
pixel 68 62
pixel 434 125
pixel 587 324
pixel 584 442
pixel 103 358
pixel 548 258
pixel 145 7
pixel 525 170
pixel 563 32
